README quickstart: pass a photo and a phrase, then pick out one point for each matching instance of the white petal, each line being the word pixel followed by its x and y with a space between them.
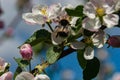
pixel 37 9
pixel 24 76
pixel 28 17
pixel 91 24
pixel 54 10
pixel 89 10
pixel 117 6
pixel 111 20
pixel 73 21
pixel 39 19
pixel 109 9
pixel 41 77
pixel 99 39
pixel 56 39
pixel 77 45
pixel 89 53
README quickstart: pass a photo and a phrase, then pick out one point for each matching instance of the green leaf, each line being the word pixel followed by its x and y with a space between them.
pixel 41 35
pixel 21 63
pixel 92 69
pixel 78 11
pixel 81 59
pixel 52 55
pixel 18 71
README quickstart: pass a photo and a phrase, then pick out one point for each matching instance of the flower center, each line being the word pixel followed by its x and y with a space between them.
pixel 88 41
pixel 43 11
pixel 64 22
pixel 100 11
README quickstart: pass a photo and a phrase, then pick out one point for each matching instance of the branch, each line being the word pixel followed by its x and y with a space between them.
pixel 66 52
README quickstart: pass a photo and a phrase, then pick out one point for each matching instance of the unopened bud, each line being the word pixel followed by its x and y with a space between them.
pixel 26 51
pixel 114 41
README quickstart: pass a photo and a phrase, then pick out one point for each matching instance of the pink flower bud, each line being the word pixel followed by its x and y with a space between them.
pixel 114 41
pixel 26 51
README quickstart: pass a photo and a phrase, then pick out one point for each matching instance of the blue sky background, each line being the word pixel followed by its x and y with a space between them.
pixel 8 48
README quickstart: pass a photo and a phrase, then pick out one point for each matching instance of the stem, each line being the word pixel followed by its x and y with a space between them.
pixel 29 66
pixel 66 52
pixel 49 26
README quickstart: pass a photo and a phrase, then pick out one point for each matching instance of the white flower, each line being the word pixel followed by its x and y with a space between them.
pixel 39 15
pixel 89 53
pixel 6 76
pixel 3 64
pixel 99 39
pixel 103 10
pixel 41 77
pixel 24 76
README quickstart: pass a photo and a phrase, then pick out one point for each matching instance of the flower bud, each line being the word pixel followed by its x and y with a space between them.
pixel 26 51
pixel 114 41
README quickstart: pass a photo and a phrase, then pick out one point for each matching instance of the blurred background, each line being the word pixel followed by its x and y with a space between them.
pixel 14 31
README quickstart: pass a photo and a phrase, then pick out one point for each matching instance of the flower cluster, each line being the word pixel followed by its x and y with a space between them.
pixel 78 29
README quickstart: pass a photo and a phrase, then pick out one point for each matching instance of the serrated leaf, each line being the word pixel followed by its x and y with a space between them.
pixel 78 11
pixel 81 59
pixel 92 69
pixel 41 35
pixel 18 71
pixel 52 55
pixel 21 63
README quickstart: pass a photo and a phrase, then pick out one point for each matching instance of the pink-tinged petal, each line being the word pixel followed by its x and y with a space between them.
pixel 89 10
pixel 109 9
pixel 37 9
pixel 54 11
pixel 24 76
pixel 77 45
pixel 97 3
pixel 6 76
pixel 39 19
pixel 99 39
pixel 89 53
pixel 28 17
pixel 111 20
pixel 41 77
pixel 91 24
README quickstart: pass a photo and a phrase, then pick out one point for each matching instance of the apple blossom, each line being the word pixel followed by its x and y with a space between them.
pixel 3 64
pixel 101 13
pixel 6 76
pixel 26 51
pixel 39 15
